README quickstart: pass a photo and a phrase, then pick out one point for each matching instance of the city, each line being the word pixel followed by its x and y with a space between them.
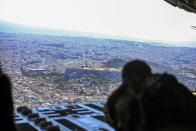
pixel 47 70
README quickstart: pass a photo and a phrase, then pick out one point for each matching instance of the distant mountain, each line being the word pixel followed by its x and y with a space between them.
pixel 17 28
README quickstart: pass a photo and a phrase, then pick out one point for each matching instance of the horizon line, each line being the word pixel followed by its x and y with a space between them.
pixel 43 30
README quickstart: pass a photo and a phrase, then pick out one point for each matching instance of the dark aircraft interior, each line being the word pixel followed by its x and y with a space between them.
pixel 74 116
pixel 188 5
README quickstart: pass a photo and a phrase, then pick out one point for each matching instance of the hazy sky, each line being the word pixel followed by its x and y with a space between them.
pixel 146 19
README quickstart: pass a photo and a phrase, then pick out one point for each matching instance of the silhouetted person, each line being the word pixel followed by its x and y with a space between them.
pixel 135 68
pixel 161 104
pixel 132 72
pixel 6 104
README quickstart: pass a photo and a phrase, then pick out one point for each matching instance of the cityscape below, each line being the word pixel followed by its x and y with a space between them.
pixel 46 69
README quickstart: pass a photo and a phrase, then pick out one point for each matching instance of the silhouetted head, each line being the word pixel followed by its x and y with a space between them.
pixel 161 104
pixel 136 68
pixel 6 104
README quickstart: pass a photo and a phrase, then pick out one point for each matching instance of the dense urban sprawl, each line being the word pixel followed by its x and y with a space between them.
pixel 56 69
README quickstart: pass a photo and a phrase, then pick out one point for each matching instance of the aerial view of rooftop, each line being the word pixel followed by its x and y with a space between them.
pixel 74 51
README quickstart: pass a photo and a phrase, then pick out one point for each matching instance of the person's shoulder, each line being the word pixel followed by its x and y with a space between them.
pixel 4 80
